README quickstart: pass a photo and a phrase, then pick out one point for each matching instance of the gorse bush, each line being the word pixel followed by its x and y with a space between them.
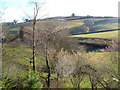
pixel 7 83
pixel 32 81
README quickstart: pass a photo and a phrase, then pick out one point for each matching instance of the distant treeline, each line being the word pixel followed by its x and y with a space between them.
pixel 80 17
pixel 86 17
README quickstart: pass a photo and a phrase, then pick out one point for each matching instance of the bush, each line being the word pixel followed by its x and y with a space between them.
pixel 7 83
pixel 32 81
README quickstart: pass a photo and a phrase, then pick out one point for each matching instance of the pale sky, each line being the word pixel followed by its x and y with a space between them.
pixel 51 8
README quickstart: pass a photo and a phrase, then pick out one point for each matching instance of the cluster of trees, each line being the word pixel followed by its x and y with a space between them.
pixel 43 41
pixel 80 66
pixel 52 67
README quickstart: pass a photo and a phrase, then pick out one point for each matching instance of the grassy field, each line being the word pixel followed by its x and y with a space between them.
pixel 74 23
pixel 79 22
pixel 105 26
pixel 108 35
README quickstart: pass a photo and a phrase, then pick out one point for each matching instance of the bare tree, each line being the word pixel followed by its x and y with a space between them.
pixel 36 11
pixel 45 44
pixel 2 9
pixel 44 33
pixel 49 40
pixel 104 72
pixel 78 75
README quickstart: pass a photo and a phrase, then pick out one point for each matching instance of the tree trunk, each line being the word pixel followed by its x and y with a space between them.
pixel 57 74
pixel 34 22
pixel 48 69
pixel 91 82
pixel 21 34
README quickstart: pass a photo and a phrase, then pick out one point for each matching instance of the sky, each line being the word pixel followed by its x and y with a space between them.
pixel 16 9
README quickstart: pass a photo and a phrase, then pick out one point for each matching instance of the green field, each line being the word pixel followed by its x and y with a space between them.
pixel 79 22
pixel 108 35
pixel 105 26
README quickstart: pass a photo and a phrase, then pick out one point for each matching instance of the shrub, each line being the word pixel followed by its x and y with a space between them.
pixel 32 81
pixel 7 83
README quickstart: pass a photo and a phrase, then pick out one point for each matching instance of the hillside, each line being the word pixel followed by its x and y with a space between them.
pixel 68 52
pixel 80 27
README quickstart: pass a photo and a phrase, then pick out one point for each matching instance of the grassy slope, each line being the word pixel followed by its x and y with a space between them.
pixel 74 23
pixel 105 26
pixel 108 35
pixel 79 22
